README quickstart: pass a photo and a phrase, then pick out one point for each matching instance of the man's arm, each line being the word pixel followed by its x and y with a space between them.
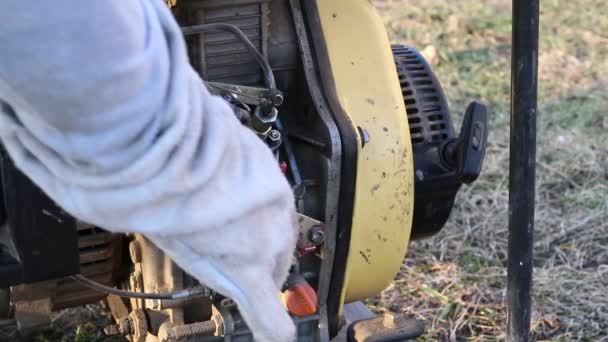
pixel 104 113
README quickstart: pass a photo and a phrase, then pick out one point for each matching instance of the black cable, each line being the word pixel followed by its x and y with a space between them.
pixel 198 291
pixel 260 59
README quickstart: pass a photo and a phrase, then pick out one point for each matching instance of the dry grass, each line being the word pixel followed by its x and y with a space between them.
pixel 455 281
pixel 80 324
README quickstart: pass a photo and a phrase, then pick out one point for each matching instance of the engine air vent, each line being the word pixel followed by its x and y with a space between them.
pixel 427 110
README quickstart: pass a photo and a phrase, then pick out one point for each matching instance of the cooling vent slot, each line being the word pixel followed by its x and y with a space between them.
pixel 100 258
pixel 220 56
pixel 427 111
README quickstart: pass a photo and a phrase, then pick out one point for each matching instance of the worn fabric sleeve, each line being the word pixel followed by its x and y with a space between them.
pixel 101 109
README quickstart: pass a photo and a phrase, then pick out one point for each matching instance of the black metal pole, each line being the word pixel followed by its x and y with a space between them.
pixel 524 61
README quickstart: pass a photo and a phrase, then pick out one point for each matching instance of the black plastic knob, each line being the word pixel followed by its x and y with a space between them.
pixel 467 151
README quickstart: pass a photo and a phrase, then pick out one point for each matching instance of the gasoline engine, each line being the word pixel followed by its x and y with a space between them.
pixel 360 128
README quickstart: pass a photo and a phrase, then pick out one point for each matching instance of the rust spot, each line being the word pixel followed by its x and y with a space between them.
pixel 334 15
pixel 382 238
pixel 375 188
pixel 385 129
pixel 364 256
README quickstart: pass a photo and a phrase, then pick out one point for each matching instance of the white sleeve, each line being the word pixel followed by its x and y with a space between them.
pixel 101 109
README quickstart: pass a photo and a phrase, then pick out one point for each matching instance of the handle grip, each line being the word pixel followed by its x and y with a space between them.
pixel 467 151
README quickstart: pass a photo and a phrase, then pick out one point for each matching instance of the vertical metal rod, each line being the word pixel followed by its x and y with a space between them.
pixel 524 62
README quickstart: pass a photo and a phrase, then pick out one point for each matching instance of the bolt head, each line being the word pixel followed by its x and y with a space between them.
pixel 267 118
pixel 317 235
pixel 274 135
pixel 138 323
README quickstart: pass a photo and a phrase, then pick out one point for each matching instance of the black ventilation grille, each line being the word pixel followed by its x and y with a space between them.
pixel 431 128
pixel 220 56
pixel 427 110
pixel 100 260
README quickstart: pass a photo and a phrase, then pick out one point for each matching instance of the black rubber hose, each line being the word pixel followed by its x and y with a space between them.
pixel 198 291
pixel 260 59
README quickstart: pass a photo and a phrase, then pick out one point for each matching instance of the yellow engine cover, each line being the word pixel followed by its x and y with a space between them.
pixel 369 92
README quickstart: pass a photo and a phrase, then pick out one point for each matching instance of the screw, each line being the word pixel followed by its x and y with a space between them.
pixel 274 135
pixel 316 235
pixel 274 138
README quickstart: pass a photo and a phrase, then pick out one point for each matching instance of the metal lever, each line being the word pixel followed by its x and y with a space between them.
pixel 466 153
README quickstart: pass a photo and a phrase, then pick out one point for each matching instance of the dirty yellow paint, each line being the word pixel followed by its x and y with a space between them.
pixel 368 90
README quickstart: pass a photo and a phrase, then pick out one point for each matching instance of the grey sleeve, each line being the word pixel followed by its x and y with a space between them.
pixel 101 109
